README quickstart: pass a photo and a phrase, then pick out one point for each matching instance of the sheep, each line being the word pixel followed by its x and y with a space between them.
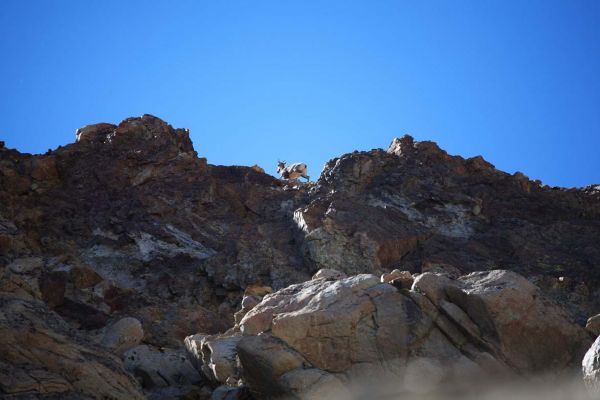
pixel 292 171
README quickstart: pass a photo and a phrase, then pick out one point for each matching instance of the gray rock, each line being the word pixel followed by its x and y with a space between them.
pixel 26 265
pixel 160 367
pixel 591 368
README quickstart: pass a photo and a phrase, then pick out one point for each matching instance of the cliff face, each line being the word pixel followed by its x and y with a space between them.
pixel 129 222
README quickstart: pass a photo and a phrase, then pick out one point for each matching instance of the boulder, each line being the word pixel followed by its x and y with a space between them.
pixel 157 368
pixel 215 355
pixel 329 274
pixel 123 335
pixel 493 324
pixel 591 368
pixel 531 333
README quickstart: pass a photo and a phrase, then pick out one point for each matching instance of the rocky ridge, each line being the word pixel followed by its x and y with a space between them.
pixel 117 247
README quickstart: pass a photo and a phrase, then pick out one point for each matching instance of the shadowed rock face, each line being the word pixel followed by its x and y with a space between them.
pixel 128 222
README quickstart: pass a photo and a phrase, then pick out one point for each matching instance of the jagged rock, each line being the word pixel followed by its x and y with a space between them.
pixel 329 274
pixel 485 324
pixel 40 354
pixel 591 368
pixel 272 369
pixel 123 335
pixel 130 221
pixel 97 133
pixel 508 309
pixel 215 355
pixel 157 368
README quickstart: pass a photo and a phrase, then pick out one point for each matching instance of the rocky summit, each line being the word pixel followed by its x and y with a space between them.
pixel 131 268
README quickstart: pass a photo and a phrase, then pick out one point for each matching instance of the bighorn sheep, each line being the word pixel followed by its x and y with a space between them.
pixel 292 171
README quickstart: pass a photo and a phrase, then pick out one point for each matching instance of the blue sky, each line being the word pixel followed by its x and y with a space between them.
pixel 515 81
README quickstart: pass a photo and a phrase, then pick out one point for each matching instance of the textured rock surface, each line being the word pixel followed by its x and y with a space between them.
pixel 129 222
pixel 591 368
pixel 320 337
pixel 160 367
pixel 40 354
pixel 123 335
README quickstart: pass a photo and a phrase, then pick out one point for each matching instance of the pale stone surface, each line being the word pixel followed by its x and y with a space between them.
pixel 445 331
pixel 591 368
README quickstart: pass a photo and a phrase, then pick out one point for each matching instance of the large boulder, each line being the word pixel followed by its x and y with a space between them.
pixel 215 355
pixel 321 337
pixel 515 321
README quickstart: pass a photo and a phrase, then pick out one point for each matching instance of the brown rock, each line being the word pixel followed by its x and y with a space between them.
pixel 40 355
pixel 123 335
pixel 84 277
pixel 593 325
pixel 256 290
pixel 401 279
pixel 96 133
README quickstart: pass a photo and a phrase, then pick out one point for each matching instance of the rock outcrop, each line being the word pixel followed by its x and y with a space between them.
pixel 40 354
pixel 127 241
pixel 319 338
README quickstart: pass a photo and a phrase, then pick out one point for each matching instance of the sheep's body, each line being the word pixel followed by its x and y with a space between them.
pixel 293 171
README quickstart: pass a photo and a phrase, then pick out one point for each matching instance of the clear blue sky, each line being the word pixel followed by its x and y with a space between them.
pixel 515 81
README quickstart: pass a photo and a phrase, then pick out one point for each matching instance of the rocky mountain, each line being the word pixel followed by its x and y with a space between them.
pixel 132 268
